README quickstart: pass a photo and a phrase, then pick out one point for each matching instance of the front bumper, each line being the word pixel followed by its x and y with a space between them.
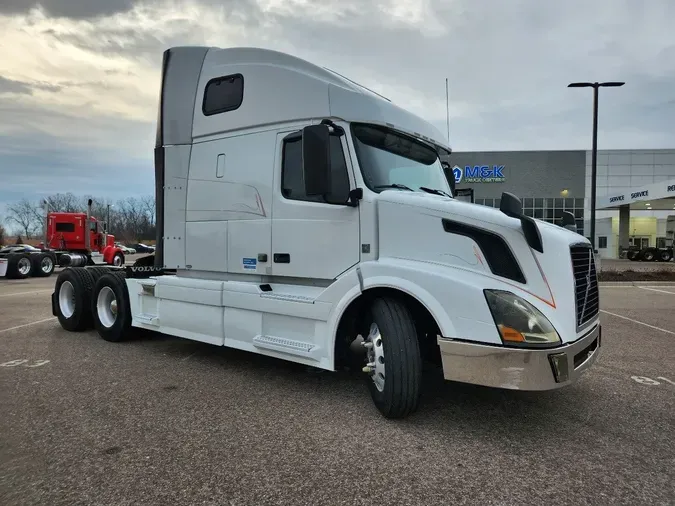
pixel 517 368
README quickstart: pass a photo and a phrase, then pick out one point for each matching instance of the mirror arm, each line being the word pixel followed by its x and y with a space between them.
pixel 338 129
pixel 354 196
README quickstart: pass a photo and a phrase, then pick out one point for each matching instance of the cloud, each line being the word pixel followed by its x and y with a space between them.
pixel 81 86
pixel 77 9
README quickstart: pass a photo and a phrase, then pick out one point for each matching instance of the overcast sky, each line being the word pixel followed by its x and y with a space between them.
pixel 79 79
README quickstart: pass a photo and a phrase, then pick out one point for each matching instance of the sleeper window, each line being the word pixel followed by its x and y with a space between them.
pixel 223 94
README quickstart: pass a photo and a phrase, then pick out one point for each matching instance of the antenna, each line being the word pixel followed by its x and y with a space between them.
pixel 447 108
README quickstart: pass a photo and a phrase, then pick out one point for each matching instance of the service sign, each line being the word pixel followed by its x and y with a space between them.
pixel 479 174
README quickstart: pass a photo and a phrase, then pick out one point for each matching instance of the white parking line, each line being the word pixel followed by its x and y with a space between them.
pixel 655 289
pixel 25 293
pixel 638 322
pixel 27 324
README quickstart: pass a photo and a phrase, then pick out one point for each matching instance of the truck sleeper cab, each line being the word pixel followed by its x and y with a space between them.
pixel 299 212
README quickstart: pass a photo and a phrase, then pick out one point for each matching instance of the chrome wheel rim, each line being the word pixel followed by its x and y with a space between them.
pixel 23 266
pixel 117 261
pixel 106 307
pixel 46 265
pixel 375 357
pixel 67 299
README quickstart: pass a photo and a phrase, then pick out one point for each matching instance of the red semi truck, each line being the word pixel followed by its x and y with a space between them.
pixel 70 239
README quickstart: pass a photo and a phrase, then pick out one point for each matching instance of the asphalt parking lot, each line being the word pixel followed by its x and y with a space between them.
pixel 159 420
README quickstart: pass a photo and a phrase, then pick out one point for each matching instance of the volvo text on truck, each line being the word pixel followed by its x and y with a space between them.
pixel 299 213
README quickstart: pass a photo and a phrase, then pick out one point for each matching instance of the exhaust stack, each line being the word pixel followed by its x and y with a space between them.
pixel 87 235
pixel 45 245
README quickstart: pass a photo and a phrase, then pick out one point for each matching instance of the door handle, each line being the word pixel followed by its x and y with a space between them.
pixel 282 258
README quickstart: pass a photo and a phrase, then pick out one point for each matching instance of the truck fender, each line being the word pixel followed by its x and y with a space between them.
pixel 109 252
pixel 412 289
pixel 432 305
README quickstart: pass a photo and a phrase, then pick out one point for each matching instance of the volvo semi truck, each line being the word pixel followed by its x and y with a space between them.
pixel 300 214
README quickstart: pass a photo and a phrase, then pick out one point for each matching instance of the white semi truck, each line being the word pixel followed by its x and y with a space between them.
pixel 298 213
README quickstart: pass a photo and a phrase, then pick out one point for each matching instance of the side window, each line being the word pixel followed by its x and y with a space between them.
pixel 223 94
pixel 65 227
pixel 292 183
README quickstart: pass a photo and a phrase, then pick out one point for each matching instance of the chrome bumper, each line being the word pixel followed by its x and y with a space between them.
pixel 519 369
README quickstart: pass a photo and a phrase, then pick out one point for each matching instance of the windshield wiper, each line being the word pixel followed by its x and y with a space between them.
pixel 435 191
pixel 395 185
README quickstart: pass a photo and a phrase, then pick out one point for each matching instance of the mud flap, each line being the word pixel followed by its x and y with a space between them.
pixel 54 302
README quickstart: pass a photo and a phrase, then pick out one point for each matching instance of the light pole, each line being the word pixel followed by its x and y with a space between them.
pixel 594 153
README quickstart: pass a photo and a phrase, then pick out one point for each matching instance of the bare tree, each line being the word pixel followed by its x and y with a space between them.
pixel 65 203
pixel 148 203
pixel 3 233
pixel 133 219
pixel 25 213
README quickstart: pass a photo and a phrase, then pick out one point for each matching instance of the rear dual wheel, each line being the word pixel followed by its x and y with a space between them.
pixel 71 299
pixel 110 307
pixel 649 255
pixel 19 266
pixel 43 264
pixel 76 300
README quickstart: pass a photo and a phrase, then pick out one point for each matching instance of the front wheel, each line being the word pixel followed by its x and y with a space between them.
pixel 394 363
pixel 118 260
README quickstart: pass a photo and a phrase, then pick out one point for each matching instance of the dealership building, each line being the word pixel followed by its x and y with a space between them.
pixel 635 190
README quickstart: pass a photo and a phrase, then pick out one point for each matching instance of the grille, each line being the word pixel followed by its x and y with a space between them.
pixel 585 284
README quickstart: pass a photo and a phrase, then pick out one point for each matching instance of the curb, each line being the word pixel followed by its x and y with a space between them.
pixel 635 283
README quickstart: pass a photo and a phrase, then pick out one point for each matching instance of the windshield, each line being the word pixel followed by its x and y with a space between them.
pixel 390 158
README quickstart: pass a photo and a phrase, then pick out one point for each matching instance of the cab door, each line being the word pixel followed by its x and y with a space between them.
pixel 313 237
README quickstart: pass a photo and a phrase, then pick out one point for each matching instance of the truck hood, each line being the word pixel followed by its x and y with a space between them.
pixel 548 277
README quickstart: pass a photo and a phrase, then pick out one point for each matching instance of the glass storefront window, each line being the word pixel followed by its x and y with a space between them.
pixel 547 209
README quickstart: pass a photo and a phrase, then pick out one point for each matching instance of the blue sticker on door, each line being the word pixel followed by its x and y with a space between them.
pixel 250 263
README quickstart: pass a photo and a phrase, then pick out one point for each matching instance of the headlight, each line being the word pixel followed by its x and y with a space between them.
pixel 518 321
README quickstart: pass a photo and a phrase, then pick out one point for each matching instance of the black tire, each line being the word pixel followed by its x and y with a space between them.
pixel 665 256
pixel 400 394
pixel 43 265
pixel 118 260
pixel 98 271
pixel 649 255
pixel 82 282
pixel 118 329
pixel 19 266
